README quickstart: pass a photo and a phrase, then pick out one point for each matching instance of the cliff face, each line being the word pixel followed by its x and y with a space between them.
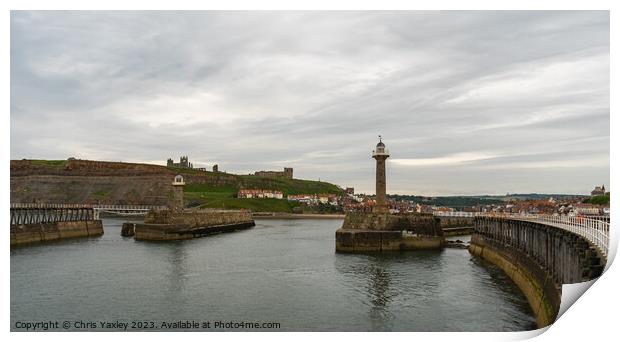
pixel 91 189
pixel 91 182
pixel 101 182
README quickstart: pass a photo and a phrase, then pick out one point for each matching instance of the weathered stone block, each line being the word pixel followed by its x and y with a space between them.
pixel 39 232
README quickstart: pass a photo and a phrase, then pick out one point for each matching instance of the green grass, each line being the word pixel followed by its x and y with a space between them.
pixel 224 196
pixel 199 193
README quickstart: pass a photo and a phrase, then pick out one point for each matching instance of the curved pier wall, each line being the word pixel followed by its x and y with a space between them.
pixel 40 232
pixel 537 257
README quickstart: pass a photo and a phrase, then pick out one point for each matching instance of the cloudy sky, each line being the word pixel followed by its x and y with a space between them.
pixel 467 102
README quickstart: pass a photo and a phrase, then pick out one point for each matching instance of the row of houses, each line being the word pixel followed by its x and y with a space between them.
pixel 314 198
pixel 259 193
pixel 304 198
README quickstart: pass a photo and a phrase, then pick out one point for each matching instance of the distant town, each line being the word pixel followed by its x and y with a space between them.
pixel 573 205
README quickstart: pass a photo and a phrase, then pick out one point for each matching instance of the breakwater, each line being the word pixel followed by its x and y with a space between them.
pixel 377 232
pixel 39 222
pixel 169 225
pixel 41 232
pixel 538 258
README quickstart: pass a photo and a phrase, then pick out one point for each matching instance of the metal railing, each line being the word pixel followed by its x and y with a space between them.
pixel 118 209
pixel 455 214
pixel 49 214
pixel 595 229
pixel 48 206
pixel 127 207
pixel 125 210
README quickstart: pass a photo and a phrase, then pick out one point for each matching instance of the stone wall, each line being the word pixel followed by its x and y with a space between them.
pixel 40 232
pixel 541 291
pixel 361 241
pixel 168 225
pixel 568 257
pixel 198 218
pixel 423 224
pixel 537 257
pixel 378 232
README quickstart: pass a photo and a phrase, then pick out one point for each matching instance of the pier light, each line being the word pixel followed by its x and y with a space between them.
pixel 178 180
pixel 177 198
pixel 381 150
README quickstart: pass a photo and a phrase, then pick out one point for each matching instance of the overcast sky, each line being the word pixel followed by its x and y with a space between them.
pixel 467 102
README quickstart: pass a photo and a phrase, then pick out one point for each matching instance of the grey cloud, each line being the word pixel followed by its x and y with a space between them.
pixel 256 90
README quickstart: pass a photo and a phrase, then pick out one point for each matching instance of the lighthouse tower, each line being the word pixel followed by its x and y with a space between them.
pixel 380 155
pixel 177 198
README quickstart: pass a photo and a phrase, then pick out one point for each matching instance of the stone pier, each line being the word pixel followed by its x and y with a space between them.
pixel 41 222
pixel 171 225
pixel 378 232
pixel 51 231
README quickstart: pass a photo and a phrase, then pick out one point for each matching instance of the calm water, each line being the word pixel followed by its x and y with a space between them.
pixel 280 271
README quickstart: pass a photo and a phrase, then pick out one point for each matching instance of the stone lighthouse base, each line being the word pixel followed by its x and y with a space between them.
pixel 377 232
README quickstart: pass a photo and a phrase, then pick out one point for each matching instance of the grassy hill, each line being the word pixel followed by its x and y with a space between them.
pixel 84 181
pixel 207 195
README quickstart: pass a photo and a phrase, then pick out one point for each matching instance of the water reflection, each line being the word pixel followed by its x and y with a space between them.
pixel 371 275
pixel 178 267
pixel 380 296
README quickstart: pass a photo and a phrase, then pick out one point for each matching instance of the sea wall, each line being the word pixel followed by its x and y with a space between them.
pixel 168 225
pixel 537 257
pixel 41 232
pixel 542 293
pixel 198 218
